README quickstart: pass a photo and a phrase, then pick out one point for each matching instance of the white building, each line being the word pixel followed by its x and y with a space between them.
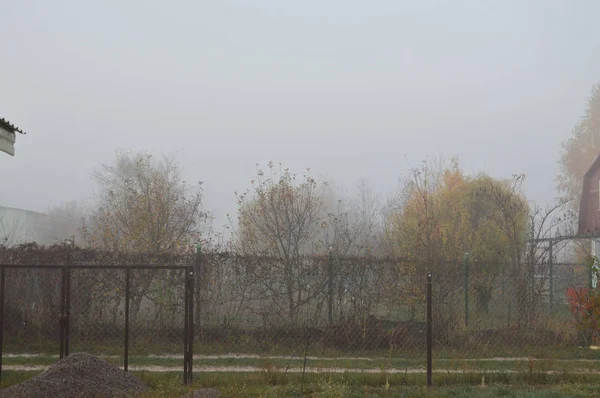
pixel 22 226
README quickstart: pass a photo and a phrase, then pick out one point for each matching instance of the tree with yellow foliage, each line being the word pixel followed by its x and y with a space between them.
pixel 144 206
pixel 444 215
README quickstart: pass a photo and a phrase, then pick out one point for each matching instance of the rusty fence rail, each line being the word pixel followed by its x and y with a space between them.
pixel 97 308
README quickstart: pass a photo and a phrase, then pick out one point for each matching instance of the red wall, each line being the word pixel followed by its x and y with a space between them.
pixel 589 218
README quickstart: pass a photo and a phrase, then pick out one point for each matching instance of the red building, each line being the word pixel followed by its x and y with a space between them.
pixel 589 206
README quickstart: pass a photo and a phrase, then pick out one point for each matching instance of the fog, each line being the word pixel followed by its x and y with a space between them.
pixel 352 89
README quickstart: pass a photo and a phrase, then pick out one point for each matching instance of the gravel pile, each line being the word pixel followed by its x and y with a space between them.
pixel 76 376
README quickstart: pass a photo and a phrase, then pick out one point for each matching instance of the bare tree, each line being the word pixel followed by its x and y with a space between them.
pixel 354 225
pixel 353 235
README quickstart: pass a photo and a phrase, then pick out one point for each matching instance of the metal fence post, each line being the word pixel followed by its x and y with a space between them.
pixel 191 330
pixel 186 324
pixel 551 276
pixel 61 316
pixel 466 287
pixel 330 286
pixel 67 311
pixel 2 276
pixel 126 342
pixel 429 332
pixel 199 274
pixel 593 280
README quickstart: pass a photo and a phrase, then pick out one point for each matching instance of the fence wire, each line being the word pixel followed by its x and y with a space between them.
pixel 519 318
pixel 313 313
pixel 97 320
pixel 31 311
pixel 321 313
pixel 156 314
pixel 50 311
pixel 367 314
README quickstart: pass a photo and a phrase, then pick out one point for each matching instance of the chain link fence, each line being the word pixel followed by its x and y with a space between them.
pixel 312 314
pixel 516 319
pixel 330 314
pixel 317 314
pixel 30 307
pixel 129 310
pixel 97 304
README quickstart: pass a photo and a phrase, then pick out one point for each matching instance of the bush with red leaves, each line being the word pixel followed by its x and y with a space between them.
pixel 584 304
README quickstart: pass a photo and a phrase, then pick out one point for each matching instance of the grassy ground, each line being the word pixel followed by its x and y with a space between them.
pixel 266 385
pixel 159 345
pixel 520 372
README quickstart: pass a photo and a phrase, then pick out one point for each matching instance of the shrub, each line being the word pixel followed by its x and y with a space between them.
pixel 585 306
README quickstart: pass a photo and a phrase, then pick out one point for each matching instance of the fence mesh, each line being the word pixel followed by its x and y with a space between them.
pixel 315 314
pixel 156 316
pixel 513 318
pixel 33 308
pixel 369 315
pixel 31 311
pixel 97 320
pixel 323 313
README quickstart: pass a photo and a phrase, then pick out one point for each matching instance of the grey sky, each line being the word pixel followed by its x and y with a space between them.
pixel 351 89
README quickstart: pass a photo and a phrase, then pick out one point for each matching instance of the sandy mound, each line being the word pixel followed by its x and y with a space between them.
pixel 78 375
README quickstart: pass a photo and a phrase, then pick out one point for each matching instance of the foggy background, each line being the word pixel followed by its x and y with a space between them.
pixel 352 89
